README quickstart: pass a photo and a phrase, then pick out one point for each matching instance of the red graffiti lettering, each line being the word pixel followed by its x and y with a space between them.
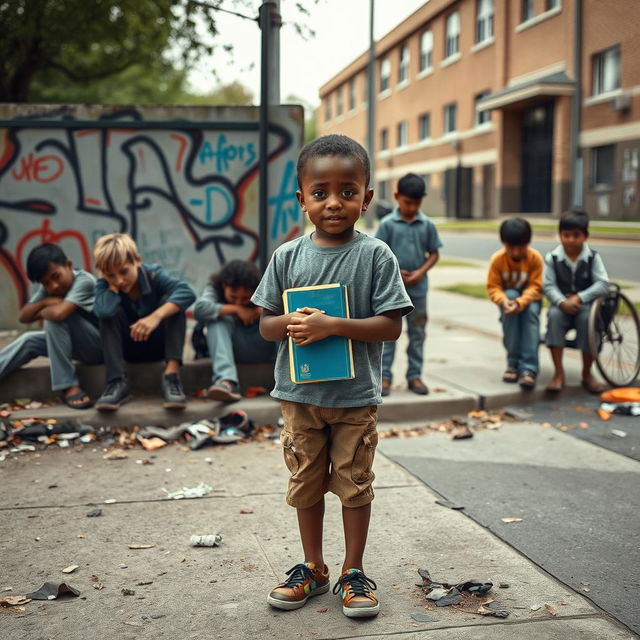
pixel 183 145
pixel 41 169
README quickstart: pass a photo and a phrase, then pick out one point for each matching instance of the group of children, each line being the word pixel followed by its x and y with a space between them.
pixel 137 312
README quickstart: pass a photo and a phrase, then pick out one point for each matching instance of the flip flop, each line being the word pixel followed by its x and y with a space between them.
pixel 68 400
pixel 510 375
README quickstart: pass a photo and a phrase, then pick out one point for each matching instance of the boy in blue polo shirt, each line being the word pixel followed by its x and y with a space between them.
pixel 414 240
pixel 141 309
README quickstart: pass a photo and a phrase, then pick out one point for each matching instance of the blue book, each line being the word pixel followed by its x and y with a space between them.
pixel 328 359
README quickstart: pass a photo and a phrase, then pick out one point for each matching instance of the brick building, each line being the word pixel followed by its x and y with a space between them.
pixel 480 97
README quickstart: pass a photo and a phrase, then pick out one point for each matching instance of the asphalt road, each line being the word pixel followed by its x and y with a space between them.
pixel 579 503
pixel 621 259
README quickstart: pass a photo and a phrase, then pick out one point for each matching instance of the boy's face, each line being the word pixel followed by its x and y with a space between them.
pixel 334 194
pixel 408 207
pixel 123 277
pixel 57 279
pixel 237 295
pixel 572 241
pixel 515 252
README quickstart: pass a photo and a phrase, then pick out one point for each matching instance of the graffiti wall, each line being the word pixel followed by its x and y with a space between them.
pixel 187 193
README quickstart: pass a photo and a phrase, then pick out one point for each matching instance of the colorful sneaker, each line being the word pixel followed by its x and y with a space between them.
pixel 357 599
pixel 304 581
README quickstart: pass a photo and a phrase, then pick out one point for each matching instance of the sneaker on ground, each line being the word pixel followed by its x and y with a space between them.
pixel 358 600
pixel 173 392
pixel 417 386
pixel 386 388
pixel 305 580
pixel 224 391
pixel 116 392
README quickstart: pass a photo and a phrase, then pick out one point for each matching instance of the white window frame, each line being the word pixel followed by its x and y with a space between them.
pixel 452 38
pixel 606 62
pixel 385 75
pixel 402 133
pixel 448 110
pixel 482 117
pixel 352 94
pixel 526 10
pixel 484 20
pixel 339 102
pixel 384 139
pixel 403 64
pixel 422 118
pixel 327 108
pixel 426 51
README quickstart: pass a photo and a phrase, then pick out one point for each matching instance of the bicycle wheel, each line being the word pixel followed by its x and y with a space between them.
pixel 614 338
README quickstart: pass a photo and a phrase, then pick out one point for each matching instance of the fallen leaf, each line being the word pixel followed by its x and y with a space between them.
pixel 14 601
pixel 99 586
pixel 584 425
pixel 586 589
pixel 603 415
pixel 115 454
pixel 141 546
pixel 551 609
pixel 151 444
pixel 511 520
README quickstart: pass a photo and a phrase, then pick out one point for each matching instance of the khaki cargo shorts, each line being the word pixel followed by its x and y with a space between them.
pixel 329 449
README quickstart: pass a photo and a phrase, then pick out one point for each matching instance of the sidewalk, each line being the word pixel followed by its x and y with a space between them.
pixel 193 593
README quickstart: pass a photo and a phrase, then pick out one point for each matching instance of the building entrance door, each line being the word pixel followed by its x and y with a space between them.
pixel 537 158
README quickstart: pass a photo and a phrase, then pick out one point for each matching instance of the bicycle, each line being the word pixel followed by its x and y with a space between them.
pixel 614 337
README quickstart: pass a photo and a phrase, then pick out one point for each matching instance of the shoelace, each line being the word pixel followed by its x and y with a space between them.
pixel 297 575
pixel 357 582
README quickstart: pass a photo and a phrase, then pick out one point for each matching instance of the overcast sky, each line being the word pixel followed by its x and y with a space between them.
pixel 342 34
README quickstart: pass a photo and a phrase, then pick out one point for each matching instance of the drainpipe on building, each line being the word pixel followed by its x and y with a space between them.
pixel 371 110
pixel 577 163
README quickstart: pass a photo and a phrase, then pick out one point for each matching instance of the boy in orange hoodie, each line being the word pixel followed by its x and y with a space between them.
pixel 514 283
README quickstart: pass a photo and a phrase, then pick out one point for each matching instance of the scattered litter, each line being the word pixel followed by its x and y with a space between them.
pixel 212 540
pixel 144 461
pixel 449 505
pixel 445 593
pixel 508 520
pixel 115 454
pixel 53 590
pixel 209 460
pixel 151 444
pixel 535 607
pixel 14 601
pixel 492 608
pixel 189 492
pixel 551 609
pixel 323 610
pixel 504 585
pixel 619 433
pixel 94 513
pixel 71 568
pixel 437 593
pixel 133 624
pixel 461 432
pixel 141 546
pixel 144 583
pixel 127 592
pixel 420 617
pixel 110 501
pixel 245 511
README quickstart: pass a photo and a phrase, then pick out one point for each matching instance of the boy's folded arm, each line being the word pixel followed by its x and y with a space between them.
pixel 207 307
pixel 32 310
pixel 274 327
pixel 59 311
pixel 107 302
pixel 381 328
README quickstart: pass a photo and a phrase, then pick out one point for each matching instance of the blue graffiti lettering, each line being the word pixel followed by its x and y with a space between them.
pixel 285 203
pixel 224 153
pixel 218 206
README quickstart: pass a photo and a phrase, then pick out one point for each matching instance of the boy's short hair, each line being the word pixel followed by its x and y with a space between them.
pixel 412 186
pixel 574 219
pixel 41 257
pixel 515 231
pixel 237 273
pixel 114 250
pixel 333 145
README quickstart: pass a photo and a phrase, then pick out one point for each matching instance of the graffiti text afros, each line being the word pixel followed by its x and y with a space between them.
pixel 224 154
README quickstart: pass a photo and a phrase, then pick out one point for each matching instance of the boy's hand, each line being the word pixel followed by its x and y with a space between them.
pixel 248 315
pixel 309 325
pixel 510 307
pixel 143 328
pixel 412 277
pixel 571 305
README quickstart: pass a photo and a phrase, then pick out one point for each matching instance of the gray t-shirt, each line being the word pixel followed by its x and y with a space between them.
pixel 374 286
pixel 82 292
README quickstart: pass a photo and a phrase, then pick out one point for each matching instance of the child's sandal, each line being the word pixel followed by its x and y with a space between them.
pixel 510 375
pixel 75 400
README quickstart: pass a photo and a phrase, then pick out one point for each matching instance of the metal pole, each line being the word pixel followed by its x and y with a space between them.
pixel 371 107
pixel 275 23
pixel 576 155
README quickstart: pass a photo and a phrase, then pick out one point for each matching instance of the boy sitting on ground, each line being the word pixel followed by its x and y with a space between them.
pixel 141 309
pixel 574 276
pixel 514 283
pixel 64 301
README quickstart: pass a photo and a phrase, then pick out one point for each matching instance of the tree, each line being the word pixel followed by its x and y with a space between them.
pixel 90 40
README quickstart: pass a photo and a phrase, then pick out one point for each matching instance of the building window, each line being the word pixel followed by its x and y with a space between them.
pixel 425 177
pixel 385 73
pixel 606 70
pixel 384 139
pixel 426 49
pixel 327 108
pixel 382 190
pixel 452 41
pixel 552 4
pixel 424 126
pixel 352 94
pixel 403 67
pixel 482 116
pixel 527 10
pixel 403 134
pixel 602 168
pixel 484 20
pixel 339 102
pixel 450 114
pixel 365 88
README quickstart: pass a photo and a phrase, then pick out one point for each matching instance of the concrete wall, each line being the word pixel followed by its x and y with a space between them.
pixel 189 196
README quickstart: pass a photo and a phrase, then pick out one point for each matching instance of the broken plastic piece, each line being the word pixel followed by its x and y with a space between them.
pixel 52 591
pixel 212 540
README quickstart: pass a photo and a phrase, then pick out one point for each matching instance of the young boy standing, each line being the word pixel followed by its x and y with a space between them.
pixel 514 283
pixel 142 319
pixel 574 276
pixel 414 240
pixel 64 301
pixel 329 435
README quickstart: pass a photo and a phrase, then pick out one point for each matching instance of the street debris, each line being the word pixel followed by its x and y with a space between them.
pixel 94 513
pixel 619 433
pixel 449 505
pixel 71 568
pixel 459 427
pixel 127 592
pixel 421 617
pixel 212 540
pixel 189 492
pixel 445 594
pixel 509 520
pixel 116 454
pixel 14 601
pixel 53 590
pixel 141 546
pixel 246 511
